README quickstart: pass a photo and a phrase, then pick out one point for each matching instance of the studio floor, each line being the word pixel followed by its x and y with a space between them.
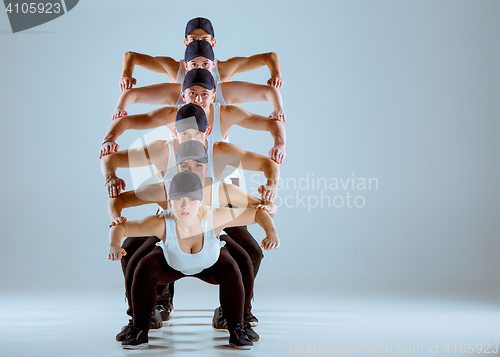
pixel 84 322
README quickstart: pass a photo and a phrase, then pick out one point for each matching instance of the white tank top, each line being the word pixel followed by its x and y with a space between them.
pixel 219 96
pixel 216 134
pixel 171 167
pixel 187 263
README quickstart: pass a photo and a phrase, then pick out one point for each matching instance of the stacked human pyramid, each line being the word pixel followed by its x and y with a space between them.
pixel 200 230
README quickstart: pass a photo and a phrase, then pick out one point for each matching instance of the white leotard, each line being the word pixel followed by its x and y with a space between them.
pixel 187 263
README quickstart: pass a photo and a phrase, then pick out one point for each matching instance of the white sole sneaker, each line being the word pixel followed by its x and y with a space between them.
pixel 240 347
pixel 136 347
pixel 220 329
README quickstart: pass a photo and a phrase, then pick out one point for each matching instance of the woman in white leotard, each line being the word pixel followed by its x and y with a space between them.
pixel 190 246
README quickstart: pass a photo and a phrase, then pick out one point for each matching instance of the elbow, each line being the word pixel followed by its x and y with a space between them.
pixel 115 207
pixel 128 55
pixel 271 169
pixel 105 165
pixel 273 209
pixel 273 56
pixel 275 128
pixel 272 92
pixel 131 58
pixel 128 97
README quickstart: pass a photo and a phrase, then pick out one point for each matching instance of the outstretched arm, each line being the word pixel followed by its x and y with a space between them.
pixel 238 198
pixel 154 193
pixel 227 69
pixel 232 217
pixel 162 94
pixel 244 118
pixel 243 92
pixel 153 153
pixel 151 225
pixel 250 161
pixel 153 119
pixel 165 65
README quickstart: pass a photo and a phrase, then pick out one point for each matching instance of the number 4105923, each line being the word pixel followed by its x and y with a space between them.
pixel 33 7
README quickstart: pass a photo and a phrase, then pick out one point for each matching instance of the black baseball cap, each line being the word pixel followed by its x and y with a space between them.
pixel 191 116
pixel 199 77
pixel 185 184
pixel 199 23
pixel 199 48
pixel 191 149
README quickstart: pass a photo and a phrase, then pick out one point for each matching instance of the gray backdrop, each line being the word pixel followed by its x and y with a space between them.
pixel 405 93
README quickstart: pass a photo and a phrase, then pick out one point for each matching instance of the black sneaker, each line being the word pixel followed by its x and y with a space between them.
pixel 239 339
pixel 252 335
pixel 124 332
pixel 219 321
pixel 166 310
pixel 165 299
pixel 135 339
pixel 253 321
pixel 156 322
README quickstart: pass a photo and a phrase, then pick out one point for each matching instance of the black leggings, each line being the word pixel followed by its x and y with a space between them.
pixel 243 237
pixel 136 251
pixel 144 245
pixel 154 270
pixel 246 269
pixel 136 248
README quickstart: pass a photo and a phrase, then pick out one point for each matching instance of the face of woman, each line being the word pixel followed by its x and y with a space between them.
pixel 194 166
pixel 190 134
pixel 185 208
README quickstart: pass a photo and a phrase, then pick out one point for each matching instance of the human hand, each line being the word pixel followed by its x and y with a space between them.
pixel 114 185
pixel 126 82
pixel 116 252
pixel 117 221
pixel 278 153
pixel 275 81
pixel 268 192
pixel 108 147
pixel 118 114
pixel 271 241
pixel 278 114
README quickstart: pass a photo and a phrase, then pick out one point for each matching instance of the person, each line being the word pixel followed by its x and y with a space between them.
pixel 161 153
pixel 199 54
pixel 199 29
pixel 189 247
pixel 198 88
pixel 192 156
pixel 190 124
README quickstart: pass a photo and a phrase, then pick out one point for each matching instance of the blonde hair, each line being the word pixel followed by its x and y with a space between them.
pixel 203 211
